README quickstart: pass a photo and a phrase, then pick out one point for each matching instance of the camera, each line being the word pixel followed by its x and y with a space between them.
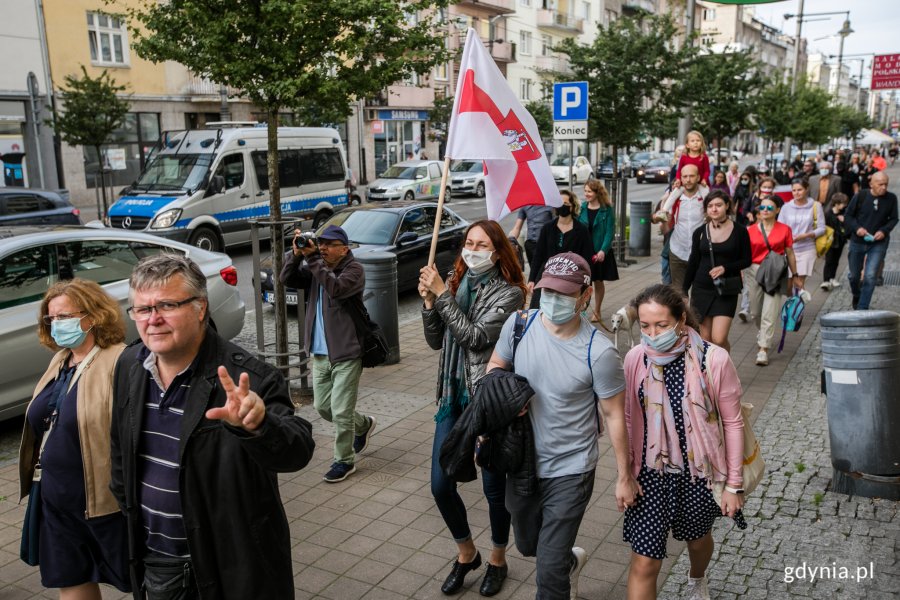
pixel 305 238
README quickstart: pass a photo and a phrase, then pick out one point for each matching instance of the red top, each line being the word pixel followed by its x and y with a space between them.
pixel 701 162
pixel 779 238
pixel 879 163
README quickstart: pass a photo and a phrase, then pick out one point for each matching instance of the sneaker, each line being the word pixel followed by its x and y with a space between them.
pixel 855 302
pixel 879 281
pixel 361 441
pixel 743 316
pixel 339 472
pixel 762 358
pixel 805 296
pixel 835 283
pixel 697 589
pixel 826 285
pixel 579 558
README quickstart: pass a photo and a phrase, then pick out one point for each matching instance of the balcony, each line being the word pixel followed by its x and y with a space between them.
pixel 559 22
pixel 635 6
pixel 410 96
pixel 548 65
pixel 492 7
pixel 203 86
pixel 502 52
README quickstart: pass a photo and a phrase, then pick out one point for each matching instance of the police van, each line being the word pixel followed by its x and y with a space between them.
pixel 203 186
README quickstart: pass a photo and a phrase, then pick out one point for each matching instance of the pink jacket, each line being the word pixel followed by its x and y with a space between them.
pixel 725 387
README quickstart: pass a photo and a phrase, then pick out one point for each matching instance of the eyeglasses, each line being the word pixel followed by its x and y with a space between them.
pixel 767 208
pixel 142 313
pixel 329 245
pixel 48 319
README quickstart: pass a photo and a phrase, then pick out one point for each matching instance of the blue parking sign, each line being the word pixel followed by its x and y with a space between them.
pixel 570 101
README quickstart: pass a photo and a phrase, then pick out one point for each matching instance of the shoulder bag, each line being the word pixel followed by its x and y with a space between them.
pixel 824 241
pixel 725 286
pixel 372 342
pixel 773 269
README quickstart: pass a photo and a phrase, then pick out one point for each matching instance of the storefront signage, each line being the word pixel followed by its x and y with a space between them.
pixel 403 115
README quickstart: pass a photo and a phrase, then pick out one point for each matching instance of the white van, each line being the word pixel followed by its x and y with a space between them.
pixel 202 186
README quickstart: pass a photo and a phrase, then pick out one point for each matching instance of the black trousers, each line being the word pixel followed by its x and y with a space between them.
pixel 832 259
pixel 167 578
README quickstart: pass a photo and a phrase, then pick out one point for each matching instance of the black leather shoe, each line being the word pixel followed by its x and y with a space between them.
pixel 493 579
pixel 457 576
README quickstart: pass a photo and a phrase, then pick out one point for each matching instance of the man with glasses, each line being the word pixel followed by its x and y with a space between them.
pixel 335 281
pixel 200 430
pixel 868 220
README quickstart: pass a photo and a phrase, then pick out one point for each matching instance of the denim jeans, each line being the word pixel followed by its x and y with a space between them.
pixel 872 254
pixel 452 507
pixel 664 261
pixel 546 525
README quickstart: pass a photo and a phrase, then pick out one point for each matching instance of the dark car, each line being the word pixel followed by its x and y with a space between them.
pixel 605 169
pixel 657 171
pixel 639 159
pixel 27 206
pixel 401 227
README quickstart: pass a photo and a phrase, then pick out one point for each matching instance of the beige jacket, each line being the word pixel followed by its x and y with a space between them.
pixel 94 407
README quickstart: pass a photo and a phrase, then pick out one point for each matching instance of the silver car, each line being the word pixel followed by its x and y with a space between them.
pixel 409 180
pixel 32 259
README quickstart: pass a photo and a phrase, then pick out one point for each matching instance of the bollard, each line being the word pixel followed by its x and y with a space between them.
pixel 380 297
pixel 639 235
pixel 861 359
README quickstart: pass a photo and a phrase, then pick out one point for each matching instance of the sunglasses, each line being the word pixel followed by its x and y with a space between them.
pixel 767 208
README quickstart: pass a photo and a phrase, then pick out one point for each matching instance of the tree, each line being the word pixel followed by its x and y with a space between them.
pixel 439 119
pixel 313 56
pixel 629 67
pixel 814 116
pixel 92 111
pixel 722 89
pixel 849 122
pixel 773 108
pixel 543 116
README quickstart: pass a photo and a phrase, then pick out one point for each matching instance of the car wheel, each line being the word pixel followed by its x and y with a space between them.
pixel 447 196
pixel 640 180
pixel 590 176
pixel 479 189
pixel 409 196
pixel 205 239
pixel 320 218
pixel 355 199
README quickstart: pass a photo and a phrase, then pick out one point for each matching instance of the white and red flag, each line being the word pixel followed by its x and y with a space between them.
pixel 489 123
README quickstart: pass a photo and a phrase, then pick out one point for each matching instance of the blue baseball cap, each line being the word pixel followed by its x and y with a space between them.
pixel 333 232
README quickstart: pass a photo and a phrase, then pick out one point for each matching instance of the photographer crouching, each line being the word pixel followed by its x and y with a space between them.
pixel 335 281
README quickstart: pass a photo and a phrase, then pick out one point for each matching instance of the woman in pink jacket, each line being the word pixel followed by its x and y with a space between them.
pixel 677 388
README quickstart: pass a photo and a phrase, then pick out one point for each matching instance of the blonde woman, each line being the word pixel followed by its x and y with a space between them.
pixel 598 216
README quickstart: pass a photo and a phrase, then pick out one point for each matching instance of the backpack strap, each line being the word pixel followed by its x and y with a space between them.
pixel 590 366
pixel 523 322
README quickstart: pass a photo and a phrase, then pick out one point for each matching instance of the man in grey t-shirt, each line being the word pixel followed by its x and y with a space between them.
pixel 569 365
pixel 537 216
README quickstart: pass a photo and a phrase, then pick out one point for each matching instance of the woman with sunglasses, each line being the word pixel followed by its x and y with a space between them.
pixel 82 535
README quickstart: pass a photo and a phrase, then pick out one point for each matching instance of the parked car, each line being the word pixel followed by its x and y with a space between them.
pixel 33 258
pixel 467 177
pixel 29 206
pixel 581 170
pixel 656 170
pixel 605 169
pixel 409 180
pixel 639 159
pixel 402 228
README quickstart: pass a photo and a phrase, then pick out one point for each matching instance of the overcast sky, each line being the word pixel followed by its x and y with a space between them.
pixel 875 24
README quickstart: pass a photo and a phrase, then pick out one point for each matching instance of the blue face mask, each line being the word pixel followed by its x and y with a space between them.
pixel 558 308
pixel 67 333
pixel 661 342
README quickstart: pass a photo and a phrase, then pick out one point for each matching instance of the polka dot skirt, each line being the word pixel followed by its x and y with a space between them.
pixel 670 500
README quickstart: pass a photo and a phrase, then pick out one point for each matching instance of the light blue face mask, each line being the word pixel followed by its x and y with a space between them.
pixel 558 308
pixel 661 342
pixel 67 333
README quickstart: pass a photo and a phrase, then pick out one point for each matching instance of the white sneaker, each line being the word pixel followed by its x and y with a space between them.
pixel 743 316
pixel 835 283
pixel 580 558
pixel 805 296
pixel 826 285
pixel 697 589
pixel 762 358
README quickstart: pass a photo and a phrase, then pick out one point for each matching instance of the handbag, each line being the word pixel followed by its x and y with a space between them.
pixel 773 269
pixel 753 466
pixel 372 341
pixel 725 286
pixel 824 241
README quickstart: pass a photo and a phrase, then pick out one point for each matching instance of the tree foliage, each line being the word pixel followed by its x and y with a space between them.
pixel 629 67
pixel 773 109
pixel 543 116
pixel 813 115
pixel 849 122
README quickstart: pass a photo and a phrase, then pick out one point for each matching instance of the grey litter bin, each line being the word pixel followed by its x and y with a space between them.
pixel 380 297
pixel 639 235
pixel 861 356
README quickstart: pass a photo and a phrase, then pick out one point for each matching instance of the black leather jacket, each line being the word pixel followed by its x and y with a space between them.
pixel 236 526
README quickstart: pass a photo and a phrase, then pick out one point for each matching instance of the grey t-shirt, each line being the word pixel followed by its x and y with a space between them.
pixel 535 217
pixel 562 412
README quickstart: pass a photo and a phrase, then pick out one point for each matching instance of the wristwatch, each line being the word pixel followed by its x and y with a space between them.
pixel 732 490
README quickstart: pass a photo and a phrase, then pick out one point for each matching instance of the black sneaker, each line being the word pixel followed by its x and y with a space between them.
pixel 855 302
pixel 339 472
pixel 879 281
pixel 361 441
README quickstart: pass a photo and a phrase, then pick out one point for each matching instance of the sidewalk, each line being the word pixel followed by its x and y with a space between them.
pixel 378 535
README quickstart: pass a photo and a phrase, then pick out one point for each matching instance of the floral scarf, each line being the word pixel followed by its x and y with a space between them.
pixel 701 417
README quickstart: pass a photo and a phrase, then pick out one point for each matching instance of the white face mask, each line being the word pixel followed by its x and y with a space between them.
pixel 478 261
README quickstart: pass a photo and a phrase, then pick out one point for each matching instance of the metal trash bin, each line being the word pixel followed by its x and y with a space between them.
pixel 380 297
pixel 639 234
pixel 861 359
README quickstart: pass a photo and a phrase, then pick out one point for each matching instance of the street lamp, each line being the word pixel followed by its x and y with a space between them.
pixel 862 63
pixel 844 32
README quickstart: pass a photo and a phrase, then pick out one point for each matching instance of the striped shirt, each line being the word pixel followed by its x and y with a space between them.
pixel 158 461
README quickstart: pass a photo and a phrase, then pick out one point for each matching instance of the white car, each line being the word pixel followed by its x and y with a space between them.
pixel 467 177
pixel 581 171
pixel 409 180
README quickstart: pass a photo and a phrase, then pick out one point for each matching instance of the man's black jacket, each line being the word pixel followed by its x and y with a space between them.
pixel 499 398
pixel 236 526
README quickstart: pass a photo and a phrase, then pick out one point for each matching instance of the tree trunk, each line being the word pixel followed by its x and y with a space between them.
pixel 615 164
pixel 102 184
pixel 277 237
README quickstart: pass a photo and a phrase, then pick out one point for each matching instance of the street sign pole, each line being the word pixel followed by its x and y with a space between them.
pixel 571 161
pixel 570 113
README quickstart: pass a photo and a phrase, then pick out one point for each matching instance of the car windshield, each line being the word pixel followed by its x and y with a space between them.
pixel 400 172
pixel 658 162
pixel 467 166
pixel 375 227
pixel 562 161
pixel 174 172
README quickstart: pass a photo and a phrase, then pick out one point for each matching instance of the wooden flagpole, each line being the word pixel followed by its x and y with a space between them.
pixel 439 212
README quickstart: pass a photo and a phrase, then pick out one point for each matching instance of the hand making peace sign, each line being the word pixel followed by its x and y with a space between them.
pixel 243 407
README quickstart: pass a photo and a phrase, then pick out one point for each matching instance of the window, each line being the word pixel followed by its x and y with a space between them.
pixel 137 135
pixel 525 89
pixel 525 42
pixel 419 221
pixel 322 165
pixel 421 173
pixel 586 11
pixel 440 71
pixel 448 220
pixel 108 40
pixel 434 171
pixel 709 14
pixel 26 203
pixel 412 79
pixel 232 170
pixel 546 45
pixel 26 275
pixel 611 16
pixel 525 2
pixel 102 261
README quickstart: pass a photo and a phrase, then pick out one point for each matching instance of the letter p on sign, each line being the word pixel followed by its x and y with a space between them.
pixel 570 101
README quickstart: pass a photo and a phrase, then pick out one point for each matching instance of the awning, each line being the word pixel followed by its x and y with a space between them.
pixel 870 137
